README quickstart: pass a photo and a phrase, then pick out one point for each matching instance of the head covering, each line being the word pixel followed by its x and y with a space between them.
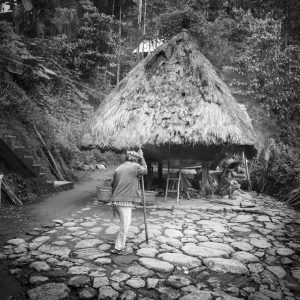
pixel 133 154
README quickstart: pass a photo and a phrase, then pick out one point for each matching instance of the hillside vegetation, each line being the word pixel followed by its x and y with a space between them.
pixel 58 60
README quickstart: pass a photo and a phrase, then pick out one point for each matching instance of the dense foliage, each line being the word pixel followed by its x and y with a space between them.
pixel 58 59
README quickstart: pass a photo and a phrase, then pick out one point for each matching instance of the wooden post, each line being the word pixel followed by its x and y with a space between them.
pixel 204 183
pixel 160 171
pixel 178 187
pixel 149 176
pixel 1 177
pixel 247 172
pixel 167 185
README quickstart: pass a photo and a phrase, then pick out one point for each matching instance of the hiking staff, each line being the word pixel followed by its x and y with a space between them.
pixel 144 210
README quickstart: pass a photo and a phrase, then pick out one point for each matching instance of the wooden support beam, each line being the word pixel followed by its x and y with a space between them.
pixel 160 171
pixel 167 185
pixel 205 174
pixel 178 187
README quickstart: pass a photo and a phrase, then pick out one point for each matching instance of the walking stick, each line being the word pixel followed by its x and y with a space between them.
pixel 144 201
pixel 144 210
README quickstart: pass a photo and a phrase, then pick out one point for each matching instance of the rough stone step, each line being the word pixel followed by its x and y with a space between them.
pixel 27 153
pixel 36 169
pixel 2 130
pixel 28 161
pixel 19 151
pixel 10 140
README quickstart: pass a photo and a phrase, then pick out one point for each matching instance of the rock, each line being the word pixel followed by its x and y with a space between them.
pixel 173 233
pixel 199 295
pixel 147 252
pixel 79 280
pixel 152 283
pixel 104 247
pixel 177 281
pixel 260 243
pixel 100 167
pixel 169 293
pixel 40 266
pixel 107 293
pixel 55 250
pixel 285 251
pixel 245 257
pixel 215 226
pixel 87 293
pixel 241 229
pixel 58 221
pixel 156 265
pixel 119 277
pixel 100 281
pixel 16 242
pixel 296 273
pixel 102 261
pixel 243 246
pixel 136 282
pixel 59 243
pixel 178 259
pixel 271 294
pixel 286 261
pixel 57 273
pixel 86 167
pixel 258 296
pixel 189 289
pixel 190 232
pixel 203 252
pixel 112 230
pixel 263 219
pixel 225 265
pixel 243 219
pixel 69 224
pixel 78 270
pixel 247 204
pixel 90 253
pixel 278 271
pixel 255 267
pixel 88 224
pixel 169 241
pixel 37 279
pixel 87 243
pixel 138 270
pixel 19 250
pixel 49 291
pixel 218 246
pixel 128 295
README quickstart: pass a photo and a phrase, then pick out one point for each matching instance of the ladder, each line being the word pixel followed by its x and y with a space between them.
pixel 173 185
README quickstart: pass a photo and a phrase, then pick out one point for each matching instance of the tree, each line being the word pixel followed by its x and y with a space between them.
pixel 96 41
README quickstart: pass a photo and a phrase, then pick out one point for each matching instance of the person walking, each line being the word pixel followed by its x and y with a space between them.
pixel 125 192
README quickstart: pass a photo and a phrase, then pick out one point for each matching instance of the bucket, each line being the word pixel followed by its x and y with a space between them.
pixel 104 194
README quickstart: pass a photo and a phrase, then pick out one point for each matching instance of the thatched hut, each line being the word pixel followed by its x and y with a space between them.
pixel 175 105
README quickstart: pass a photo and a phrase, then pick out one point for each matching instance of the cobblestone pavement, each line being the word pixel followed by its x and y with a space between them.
pixel 204 254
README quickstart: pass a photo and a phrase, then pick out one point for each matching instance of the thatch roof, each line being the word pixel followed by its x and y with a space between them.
pixel 172 99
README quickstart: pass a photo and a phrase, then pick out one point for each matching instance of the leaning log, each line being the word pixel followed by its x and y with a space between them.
pixel 50 158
